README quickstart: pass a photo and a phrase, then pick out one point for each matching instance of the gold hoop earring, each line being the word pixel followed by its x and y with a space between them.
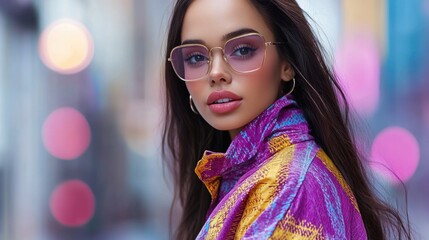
pixel 293 87
pixel 191 104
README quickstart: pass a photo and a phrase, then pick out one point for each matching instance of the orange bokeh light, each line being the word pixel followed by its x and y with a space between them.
pixel 66 46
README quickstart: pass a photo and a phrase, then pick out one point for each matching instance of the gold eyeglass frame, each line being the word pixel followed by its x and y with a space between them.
pixel 209 62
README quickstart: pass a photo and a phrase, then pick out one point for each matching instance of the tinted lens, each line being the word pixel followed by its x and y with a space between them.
pixel 190 61
pixel 245 53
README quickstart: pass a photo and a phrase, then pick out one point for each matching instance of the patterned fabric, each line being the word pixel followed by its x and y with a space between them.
pixel 274 182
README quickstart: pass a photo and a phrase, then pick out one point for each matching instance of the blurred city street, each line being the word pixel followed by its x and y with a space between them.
pixel 81 111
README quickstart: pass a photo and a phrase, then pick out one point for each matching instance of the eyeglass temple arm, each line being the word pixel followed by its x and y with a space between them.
pixel 274 43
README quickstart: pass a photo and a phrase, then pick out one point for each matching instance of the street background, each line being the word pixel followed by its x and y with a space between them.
pixel 81 111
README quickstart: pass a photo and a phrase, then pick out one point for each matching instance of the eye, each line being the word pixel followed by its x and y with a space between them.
pixel 243 51
pixel 196 58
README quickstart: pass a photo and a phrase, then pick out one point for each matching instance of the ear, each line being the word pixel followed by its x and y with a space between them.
pixel 287 71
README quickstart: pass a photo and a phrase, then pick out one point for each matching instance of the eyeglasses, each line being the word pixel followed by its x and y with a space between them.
pixel 244 54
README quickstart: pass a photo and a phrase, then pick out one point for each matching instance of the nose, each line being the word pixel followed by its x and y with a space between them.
pixel 219 71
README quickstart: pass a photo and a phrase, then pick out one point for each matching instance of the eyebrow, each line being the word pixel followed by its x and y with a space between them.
pixel 224 37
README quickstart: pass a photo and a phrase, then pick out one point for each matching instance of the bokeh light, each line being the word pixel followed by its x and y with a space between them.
pixel 66 46
pixel 357 64
pixel 395 154
pixel 66 133
pixel 72 203
pixel 136 126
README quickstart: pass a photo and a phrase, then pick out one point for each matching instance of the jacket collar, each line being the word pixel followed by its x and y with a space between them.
pixel 279 126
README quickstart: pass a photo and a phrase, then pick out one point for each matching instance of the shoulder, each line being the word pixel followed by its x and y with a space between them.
pixel 307 168
pixel 324 173
pixel 324 188
pixel 324 205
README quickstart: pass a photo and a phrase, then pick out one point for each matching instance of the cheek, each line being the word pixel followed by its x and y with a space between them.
pixel 272 66
pixel 268 78
pixel 196 89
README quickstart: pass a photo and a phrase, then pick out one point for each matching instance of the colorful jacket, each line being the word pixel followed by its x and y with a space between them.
pixel 275 182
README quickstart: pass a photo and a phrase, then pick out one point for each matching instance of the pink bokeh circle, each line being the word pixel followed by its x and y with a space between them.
pixel 72 203
pixel 395 154
pixel 357 65
pixel 66 133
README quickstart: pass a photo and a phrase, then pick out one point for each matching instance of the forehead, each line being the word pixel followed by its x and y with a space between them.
pixel 210 20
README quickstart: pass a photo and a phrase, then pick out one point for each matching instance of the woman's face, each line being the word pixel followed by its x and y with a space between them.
pixel 227 99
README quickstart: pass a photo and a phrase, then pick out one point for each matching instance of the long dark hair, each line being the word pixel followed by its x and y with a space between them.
pixel 186 135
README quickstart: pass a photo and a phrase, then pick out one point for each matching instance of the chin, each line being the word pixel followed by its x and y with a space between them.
pixel 221 127
pixel 226 126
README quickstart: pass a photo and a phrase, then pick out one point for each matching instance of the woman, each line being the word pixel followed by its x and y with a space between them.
pixel 252 109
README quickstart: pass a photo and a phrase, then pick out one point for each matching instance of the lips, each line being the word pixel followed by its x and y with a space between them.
pixel 222 97
pixel 222 102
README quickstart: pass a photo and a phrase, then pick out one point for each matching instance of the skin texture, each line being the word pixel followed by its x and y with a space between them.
pixel 258 89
